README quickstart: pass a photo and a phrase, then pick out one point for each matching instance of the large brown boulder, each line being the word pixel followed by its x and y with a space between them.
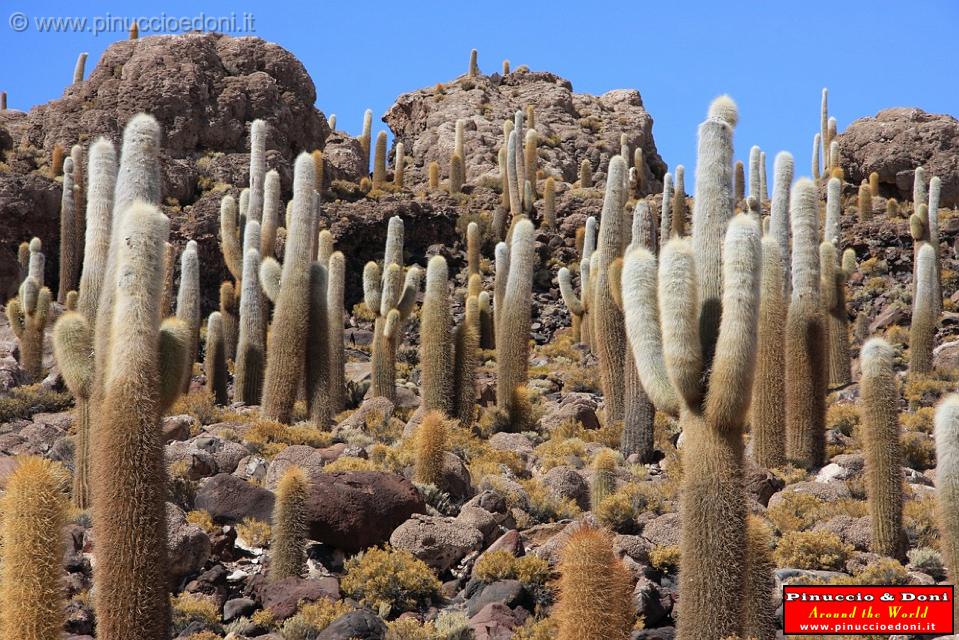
pixel 896 141
pixel 572 126
pixel 354 510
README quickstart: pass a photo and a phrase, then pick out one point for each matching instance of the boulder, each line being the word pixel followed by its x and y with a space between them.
pixel 564 482
pixel 439 542
pixel 361 624
pixel 283 597
pixel 188 546
pixel 230 499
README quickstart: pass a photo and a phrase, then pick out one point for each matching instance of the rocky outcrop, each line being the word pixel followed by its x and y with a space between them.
pixel 572 126
pixel 896 141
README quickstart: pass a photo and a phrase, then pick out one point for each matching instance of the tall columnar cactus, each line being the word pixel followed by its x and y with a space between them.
pixel 23 261
pixel 585 174
pixel 230 243
pixel 935 189
pixel 519 157
pixel 832 226
pixel 57 156
pixel 754 153
pixel 188 303
pixel 436 351
pixel 609 338
pixel 392 298
pixel 430 448
pixel 806 369
pixel 816 144
pixel 833 292
pixel 466 340
pixel 251 346
pixel 473 242
pixel 457 173
pixel 834 160
pixel 379 161
pixel 595 589
pixel 69 258
pixel 287 340
pixel 290 526
pixel 318 348
pixel 166 299
pixel 768 420
pixel 878 401
pixel 763 189
pixel 215 359
pixel 920 188
pixel 434 176
pixel 257 170
pixel 783 167
pixel 336 288
pixel 34 513
pixel 459 133
pixel 549 203
pixel 366 139
pixel 679 202
pixel 399 165
pixel 577 307
pixel 947 483
pixel 603 483
pixel 739 181
pixel 824 123
pixel 101 181
pixel 272 208
pixel 80 68
pixel 486 330
pixel 530 158
pixel 229 317
pixel 919 229
pixel 512 176
pixel 666 211
pixel 513 315
pixel 27 316
pixel 759 613
pixel 639 164
pixel 922 331
pixel 141 378
pixel 865 202
pixel 874 183
pixel 36 268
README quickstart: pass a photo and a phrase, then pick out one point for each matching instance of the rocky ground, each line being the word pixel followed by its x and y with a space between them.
pixel 477 553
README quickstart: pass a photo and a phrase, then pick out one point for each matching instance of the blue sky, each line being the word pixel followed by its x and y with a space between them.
pixel 772 59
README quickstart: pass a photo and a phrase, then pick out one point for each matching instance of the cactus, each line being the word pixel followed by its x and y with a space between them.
pixel 947 482
pixel 783 167
pixel 935 188
pixel 666 212
pixel 435 346
pixel 603 483
pixel 834 156
pixel 549 203
pixel 577 307
pixel 430 449
pixel 473 70
pixel 336 284
pixel 922 330
pixel 833 292
pixel 365 138
pixel 824 123
pixel 595 589
pixel 892 208
pixel 319 169
pixel 487 332
pixel 69 258
pixel 287 339
pixel 816 144
pixel 530 116
pixel 806 371
pixel 188 304
pixel 23 261
pixel 392 298
pixel 763 190
pixel 290 526
pixel 585 174
pixel 920 189
pixel 332 121
pixel 530 158
pixel 466 340
pixel 166 299
pixel 134 31
pixel 379 161
pixel 865 202
pixel 514 286
pixel 102 170
pixel 832 227
pixel 399 165
pixel 512 176
pixel 3 100
pixel 768 423
pixel 874 183
pixel 230 237
pixel 457 173
pixel 459 132
pixel 272 206
pixel 215 359
pixel 250 350
pixel 878 401
pixel 31 577
pixel 317 370
pixel 519 157
pixel 144 372
pixel 229 311
pixel 610 334
pixel 754 155
pixel 679 202
pixel 57 157
pixel 639 163
pixel 27 316
pixel 258 134
pixel 740 181
pixel 759 613
pixel 472 249
pixel 505 68
pixel 434 175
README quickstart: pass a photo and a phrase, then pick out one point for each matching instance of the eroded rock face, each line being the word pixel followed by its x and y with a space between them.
pixel 896 141
pixel 571 126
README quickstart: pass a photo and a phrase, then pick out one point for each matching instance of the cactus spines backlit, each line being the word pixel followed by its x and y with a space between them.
pixel 257 170
pixel 472 248
pixel 80 67
pixel 513 315
pixel 379 161
pixel 290 526
pixel 679 202
pixel 57 156
pixel 336 287
pixel 250 350
pixel 215 359
pixel 724 108
pixel 834 156
pixel 754 172
pixel 595 589
pixel 920 191
pixel 610 334
pixel 101 181
pixel 574 304
pixel 783 167
pixel 512 176
pixel 935 188
pixel 34 513
pixel 23 260
pixel 768 423
pixel 284 363
pixel 947 482
pixel 436 344
pixel 874 183
pixel 188 303
pixel 585 174
pixel 878 401
pixel 833 294
pixel 924 314
pixel 128 476
pixel 530 158
pixel 69 258
pixel 806 369
pixel 430 449
pixel 763 189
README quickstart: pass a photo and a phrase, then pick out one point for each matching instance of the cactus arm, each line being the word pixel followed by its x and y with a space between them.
pixel 15 317
pixel 643 329
pixel 394 242
pixel 371 286
pixel 73 348
pixel 392 288
pixel 574 304
pixel 731 380
pixel 173 352
pixel 411 287
pixel 270 273
pixel 393 321
pixel 682 350
pixel 229 237
pixel 849 265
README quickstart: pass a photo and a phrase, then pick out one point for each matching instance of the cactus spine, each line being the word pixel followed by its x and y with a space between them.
pixel 768 423
pixel 102 178
pixel 610 335
pixel 69 258
pixel 833 292
pixel 336 284
pixel 435 345
pixel 284 362
pixel 512 176
pixel 513 313
pixel 34 514
pixel 806 371
pixel 878 399
pixel 257 170
pixel 250 350
pixel 920 190
pixel 188 303
pixel 215 359
pixel 947 482
pixel 922 331
pixel 290 526
pixel 272 206
pixel 530 157
pixel 434 176
pixel 379 161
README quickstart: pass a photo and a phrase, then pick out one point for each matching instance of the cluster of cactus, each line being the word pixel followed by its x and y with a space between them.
pixel 28 312
pixel 691 320
pixel 391 295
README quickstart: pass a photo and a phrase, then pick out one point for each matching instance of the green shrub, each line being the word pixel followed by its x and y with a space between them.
pixel 812 550
pixel 503 565
pixel 389 579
